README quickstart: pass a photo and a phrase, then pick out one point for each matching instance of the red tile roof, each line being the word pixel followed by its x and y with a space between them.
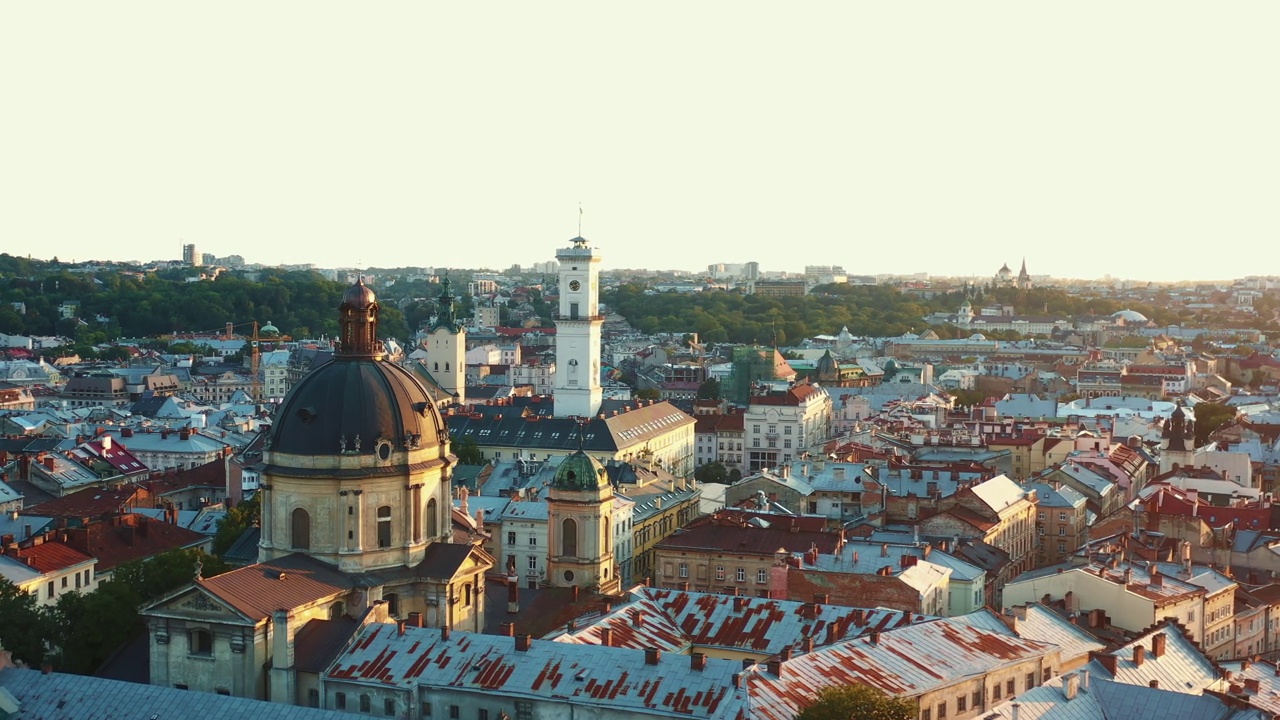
pixel 53 556
pixel 130 537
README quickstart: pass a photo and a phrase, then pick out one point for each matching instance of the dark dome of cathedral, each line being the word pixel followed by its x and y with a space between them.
pixel 355 400
pixel 580 471
pixel 358 403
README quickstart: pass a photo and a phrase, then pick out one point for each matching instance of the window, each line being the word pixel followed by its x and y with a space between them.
pixel 719 572
pixel 482 714
pixel 1062 517
pixel 426 708
pixel 1040 515
pixel 77 581
pixel 995 691
pixel 1048 673
pixel 533 563
pixel 1010 687
pixel 340 700
pixel 942 710
pixel 384 526
pixel 742 575
pixel 313 698
pixel 1062 547
pixel 64 582
pixel 365 703
pixel 926 714
pixel 51 590
pixel 569 538
pixel 433 523
pixel 533 541
pixel 524 710
pixel 962 703
pixel 200 642
pixel 1031 680
pixel 684 570
pixel 389 707
pixel 466 596
pixel 511 538
pixel 453 711
pixel 762 576
pixel 786 443
pixel 300 532
pixel 977 699
pixel 1062 531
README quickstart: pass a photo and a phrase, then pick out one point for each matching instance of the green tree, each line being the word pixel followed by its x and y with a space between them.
pixel 1210 417
pixel 468 451
pixel 712 472
pixel 23 625
pixel 709 390
pixel 648 394
pixel 233 524
pixel 857 702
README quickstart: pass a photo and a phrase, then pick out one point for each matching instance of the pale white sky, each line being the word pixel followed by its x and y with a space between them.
pixel 1132 138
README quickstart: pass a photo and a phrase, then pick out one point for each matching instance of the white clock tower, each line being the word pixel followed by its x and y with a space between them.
pixel 578 332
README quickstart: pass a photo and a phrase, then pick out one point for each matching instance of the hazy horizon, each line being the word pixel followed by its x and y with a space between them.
pixel 1133 140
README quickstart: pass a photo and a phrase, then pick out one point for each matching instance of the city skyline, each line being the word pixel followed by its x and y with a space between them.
pixel 888 140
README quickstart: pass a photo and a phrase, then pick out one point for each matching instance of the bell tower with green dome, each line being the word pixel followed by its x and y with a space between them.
pixel 446 347
pixel 579 526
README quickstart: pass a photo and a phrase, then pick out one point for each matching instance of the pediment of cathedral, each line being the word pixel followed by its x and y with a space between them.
pixel 195 603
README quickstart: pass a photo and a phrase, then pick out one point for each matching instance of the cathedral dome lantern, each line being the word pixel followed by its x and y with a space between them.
pixel 358 322
pixel 580 472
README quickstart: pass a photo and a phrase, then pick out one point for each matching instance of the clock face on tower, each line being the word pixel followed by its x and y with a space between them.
pixel 574 285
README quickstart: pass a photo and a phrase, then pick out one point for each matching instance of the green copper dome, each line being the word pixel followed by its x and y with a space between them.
pixel 580 471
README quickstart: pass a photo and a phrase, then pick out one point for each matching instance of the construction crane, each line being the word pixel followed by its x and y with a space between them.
pixel 255 353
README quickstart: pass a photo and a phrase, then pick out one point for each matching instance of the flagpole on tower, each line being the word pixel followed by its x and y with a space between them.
pixel 579 218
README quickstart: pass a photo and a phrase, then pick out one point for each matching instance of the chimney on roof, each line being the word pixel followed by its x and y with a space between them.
pixel 884 549
pixel 737 680
pixel 874 637
pixel 126 432
pixel 821 599
pixel 507 629
pixel 1158 642
pixel 698 661
pixel 1070 685
pixel 522 643
pixel 47 461
pixel 739 603
pixel 1014 711
pixel 1153 683
pixel 606 636
pixel 775 667
pixel 652 656
pixel 1139 654
pixel 399 627
pixel 1252 685
pixel 807 644
pixel 637 619
pixel 415 619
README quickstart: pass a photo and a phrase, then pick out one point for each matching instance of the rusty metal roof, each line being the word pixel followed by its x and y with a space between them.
pixel 288 582
pixel 619 679
pixel 905 663
pixel 678 621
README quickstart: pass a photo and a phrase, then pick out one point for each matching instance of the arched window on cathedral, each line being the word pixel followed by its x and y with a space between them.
pixel 384 526
pixel 569 538
pixel 446 366
pixel 433 523
pixel 300 530
pixel 435 367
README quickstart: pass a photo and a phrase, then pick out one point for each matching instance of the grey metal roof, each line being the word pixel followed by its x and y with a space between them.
pixel 57 695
